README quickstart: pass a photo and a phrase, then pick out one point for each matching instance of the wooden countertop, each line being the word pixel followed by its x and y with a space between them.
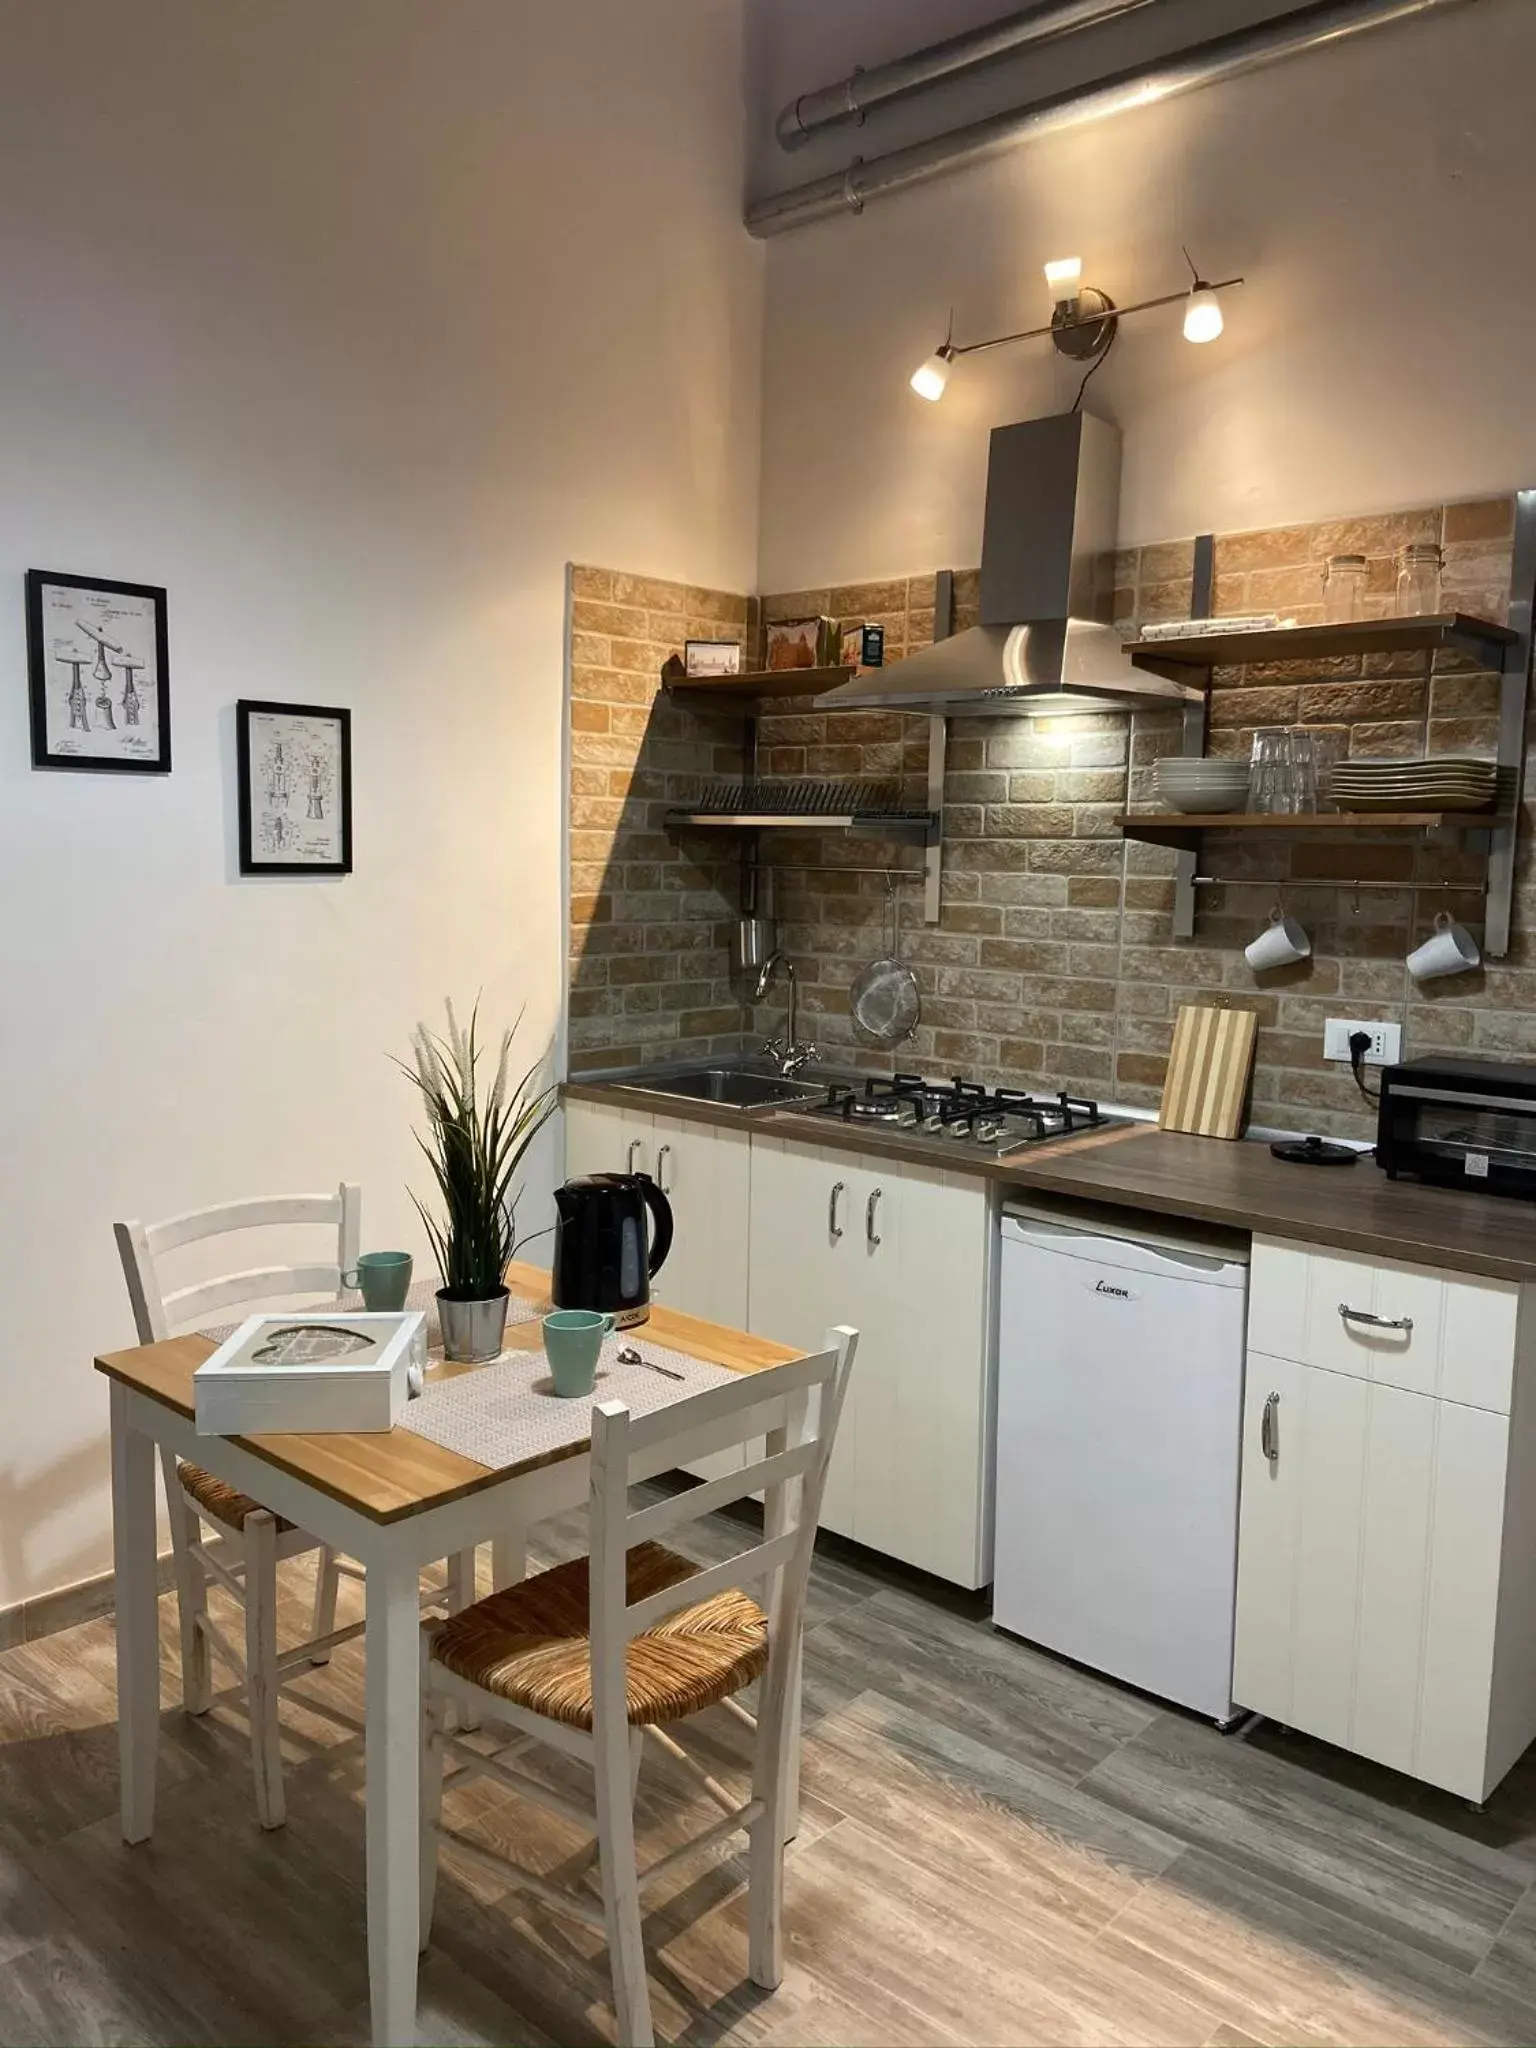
pixel 1238 1184
pixel 1348 1208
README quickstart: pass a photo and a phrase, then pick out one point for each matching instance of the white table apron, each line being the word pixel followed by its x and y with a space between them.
pixel 393 1553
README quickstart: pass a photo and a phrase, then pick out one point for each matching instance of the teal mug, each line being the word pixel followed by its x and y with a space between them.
pixel 572 1339
pixel 382 1278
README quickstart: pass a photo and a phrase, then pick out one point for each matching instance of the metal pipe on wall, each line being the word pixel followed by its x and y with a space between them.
pixel 862 91
pixel 1201 64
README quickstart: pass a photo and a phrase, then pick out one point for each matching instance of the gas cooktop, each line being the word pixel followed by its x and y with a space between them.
pixel 960 1115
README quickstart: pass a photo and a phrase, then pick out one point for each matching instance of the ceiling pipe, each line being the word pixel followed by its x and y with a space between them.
pixel 1201 64
pixel 862 91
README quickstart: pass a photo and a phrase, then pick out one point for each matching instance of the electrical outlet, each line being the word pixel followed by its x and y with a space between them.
pixel 1384 1050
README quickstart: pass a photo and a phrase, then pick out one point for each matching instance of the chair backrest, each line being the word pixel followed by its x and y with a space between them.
pixel 158 1313
pixel 791 1476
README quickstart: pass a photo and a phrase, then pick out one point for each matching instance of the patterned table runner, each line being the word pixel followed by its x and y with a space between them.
pixel 423 1296
pixel 505 1413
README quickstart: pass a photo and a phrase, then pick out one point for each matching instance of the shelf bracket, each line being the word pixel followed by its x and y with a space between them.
pixel 938 745
pixel 1192 744
pixel 1514 685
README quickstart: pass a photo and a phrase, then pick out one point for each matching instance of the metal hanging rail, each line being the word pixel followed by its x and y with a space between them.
pixel 1183 71
pixel 863 92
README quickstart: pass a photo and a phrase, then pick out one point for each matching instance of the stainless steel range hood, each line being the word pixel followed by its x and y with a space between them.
pixel 1047 578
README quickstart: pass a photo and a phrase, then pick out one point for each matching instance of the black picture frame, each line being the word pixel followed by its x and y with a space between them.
pixel 264 859
pixel 45 749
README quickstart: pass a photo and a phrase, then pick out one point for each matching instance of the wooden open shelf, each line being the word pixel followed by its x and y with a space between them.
pixel 1183 828
pixel 1436 632
pixel 756 683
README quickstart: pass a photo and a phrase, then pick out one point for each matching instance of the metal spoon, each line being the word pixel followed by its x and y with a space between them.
pixel 630 1356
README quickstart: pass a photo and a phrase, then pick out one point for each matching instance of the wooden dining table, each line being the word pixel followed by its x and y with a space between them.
pixel 393 1501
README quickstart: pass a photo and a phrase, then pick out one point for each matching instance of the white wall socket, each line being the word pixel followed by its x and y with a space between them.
pixel 1384 1050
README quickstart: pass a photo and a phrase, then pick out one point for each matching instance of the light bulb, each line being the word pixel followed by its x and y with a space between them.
pixel 1202 315
pixel 929 379
pixel 1064 276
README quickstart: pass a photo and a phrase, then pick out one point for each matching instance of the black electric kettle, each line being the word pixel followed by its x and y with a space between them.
pixel 602 1258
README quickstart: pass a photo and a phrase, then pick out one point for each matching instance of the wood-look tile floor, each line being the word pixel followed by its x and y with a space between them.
pixel 995 1848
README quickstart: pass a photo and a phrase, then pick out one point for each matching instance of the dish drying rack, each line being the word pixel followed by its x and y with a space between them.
pixel 823 804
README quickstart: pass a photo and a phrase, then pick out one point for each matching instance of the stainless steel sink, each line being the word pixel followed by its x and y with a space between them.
pixel 728 1085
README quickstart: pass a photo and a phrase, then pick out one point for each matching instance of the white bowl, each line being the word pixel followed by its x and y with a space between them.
pixel 1205 799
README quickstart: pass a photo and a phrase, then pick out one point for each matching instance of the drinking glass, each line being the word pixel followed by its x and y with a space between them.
pixel 1303 770
pixel 1269 783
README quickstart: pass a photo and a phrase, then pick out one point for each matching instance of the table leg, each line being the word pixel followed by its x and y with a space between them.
pixel 393 1794
pixel 509 1559
pixel 138 1639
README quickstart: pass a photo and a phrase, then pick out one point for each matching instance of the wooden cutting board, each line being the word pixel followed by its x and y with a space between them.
pixel 1208 1068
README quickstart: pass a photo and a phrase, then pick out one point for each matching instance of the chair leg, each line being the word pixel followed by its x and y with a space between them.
pixel 461 1581
pixel 775 1782
pixel 433 1759
pixel 460 1591
pixel 327 1581
pixel 261 1689
pixel 616 1768
pixel 191 1591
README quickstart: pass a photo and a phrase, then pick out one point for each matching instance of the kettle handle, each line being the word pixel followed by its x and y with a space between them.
pixel 661 1221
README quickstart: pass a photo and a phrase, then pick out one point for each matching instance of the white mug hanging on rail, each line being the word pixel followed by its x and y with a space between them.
pixel 1452 950
pixel 1281 942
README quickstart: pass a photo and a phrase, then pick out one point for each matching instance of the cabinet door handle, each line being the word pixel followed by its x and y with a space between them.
pixel 871 1235
pixel 834 1228
pixel 661 1179
pixel 1269 1430
pixel 634 1147
pixel 1363 1315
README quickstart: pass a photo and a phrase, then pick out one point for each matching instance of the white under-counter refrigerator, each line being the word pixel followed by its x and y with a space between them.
pixel 1119 1427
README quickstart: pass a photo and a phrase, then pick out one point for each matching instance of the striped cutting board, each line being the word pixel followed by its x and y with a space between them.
pixel 1207 1084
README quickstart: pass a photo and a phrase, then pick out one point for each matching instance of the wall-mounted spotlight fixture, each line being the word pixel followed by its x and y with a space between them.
pixel 1084 322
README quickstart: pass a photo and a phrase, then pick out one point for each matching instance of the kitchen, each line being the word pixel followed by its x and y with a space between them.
pixel 910 1206
pixel 1165 1663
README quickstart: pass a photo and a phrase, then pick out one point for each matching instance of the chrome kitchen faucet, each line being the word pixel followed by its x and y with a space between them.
pixel 787 1053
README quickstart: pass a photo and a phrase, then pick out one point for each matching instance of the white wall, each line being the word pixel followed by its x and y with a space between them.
pixel 350 324
pixel 1376 195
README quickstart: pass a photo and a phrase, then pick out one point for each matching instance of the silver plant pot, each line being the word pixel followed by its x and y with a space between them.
pixel 472 1330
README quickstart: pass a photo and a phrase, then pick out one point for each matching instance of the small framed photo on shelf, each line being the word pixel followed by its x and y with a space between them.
pixel 802 643
pixel 294 773
pixel 98 674
pixel 712 657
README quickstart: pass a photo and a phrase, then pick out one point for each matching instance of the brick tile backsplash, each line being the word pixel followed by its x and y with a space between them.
pixel 1053 964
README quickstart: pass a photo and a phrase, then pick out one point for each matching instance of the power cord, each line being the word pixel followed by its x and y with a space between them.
pixel 1097 364
pixel 1359 1046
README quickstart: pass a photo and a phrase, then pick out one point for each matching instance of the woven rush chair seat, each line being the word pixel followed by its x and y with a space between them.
pixel 530 1644
pixel 222 1503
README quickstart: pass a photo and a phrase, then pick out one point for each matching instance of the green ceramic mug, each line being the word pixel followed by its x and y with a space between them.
pixel 572 1339
pixel 382 1278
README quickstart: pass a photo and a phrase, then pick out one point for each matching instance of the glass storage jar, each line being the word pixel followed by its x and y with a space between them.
pixel 1343 589
pixel 1418 580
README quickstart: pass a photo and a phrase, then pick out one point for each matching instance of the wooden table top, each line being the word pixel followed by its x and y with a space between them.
pixel 394 1473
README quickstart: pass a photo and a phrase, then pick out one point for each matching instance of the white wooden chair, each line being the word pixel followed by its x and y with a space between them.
pixel 249 1542
pixel 593 1657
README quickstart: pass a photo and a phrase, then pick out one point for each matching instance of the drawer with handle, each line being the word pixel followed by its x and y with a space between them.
pixel 1414 1327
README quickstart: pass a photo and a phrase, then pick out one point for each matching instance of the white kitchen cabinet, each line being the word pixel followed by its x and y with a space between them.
pixel 704 1171
pixel 603 1137
pixel 904 1253
pixel 1386 1595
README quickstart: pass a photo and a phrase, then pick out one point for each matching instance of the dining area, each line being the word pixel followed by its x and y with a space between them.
pixel 594 1665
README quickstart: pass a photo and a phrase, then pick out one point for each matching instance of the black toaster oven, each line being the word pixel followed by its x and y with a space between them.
pixel 1463 1123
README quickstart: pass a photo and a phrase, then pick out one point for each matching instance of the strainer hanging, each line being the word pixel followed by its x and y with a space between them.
pixel 884 998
